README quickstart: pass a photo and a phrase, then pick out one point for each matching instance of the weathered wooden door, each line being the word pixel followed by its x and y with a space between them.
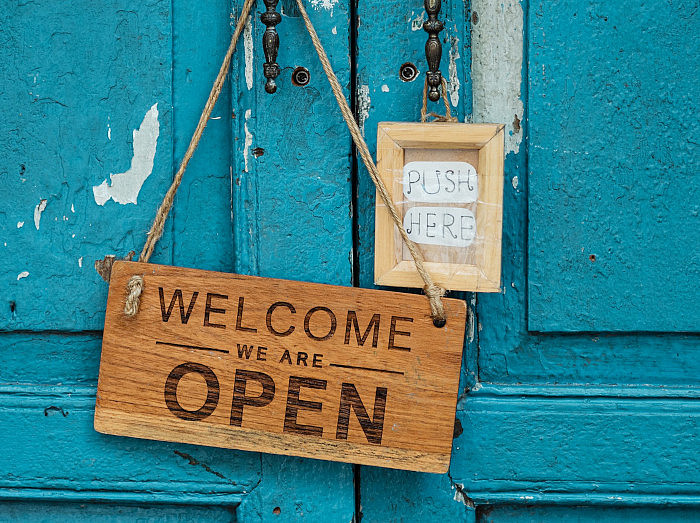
pixel 579 389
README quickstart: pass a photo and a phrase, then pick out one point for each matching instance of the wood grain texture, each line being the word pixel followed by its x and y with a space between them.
pixel 401 142
pixel 317 388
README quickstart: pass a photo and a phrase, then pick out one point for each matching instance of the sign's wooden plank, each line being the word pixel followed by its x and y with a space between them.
pixel 277 366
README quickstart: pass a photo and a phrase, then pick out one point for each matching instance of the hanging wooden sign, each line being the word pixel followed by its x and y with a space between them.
pixel 277 366
pixel 447 183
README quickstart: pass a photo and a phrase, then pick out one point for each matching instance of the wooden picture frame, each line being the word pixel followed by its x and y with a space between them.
pixel 473 268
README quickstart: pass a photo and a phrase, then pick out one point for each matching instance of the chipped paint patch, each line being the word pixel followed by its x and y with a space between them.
pixel 328 5
pixel 125 187
pixel 497 61
pixel 416 21
pixel 80 262
pixel 20 225
pixel 515 182
pixel 37 213
pixel 248 140
pixel 363 104
pixel 248 52
pixel 334 30
pixel 470 319
pixel 453 85
pixel 22 275
pixel 385 88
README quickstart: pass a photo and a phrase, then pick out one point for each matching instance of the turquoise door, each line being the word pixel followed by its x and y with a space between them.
pixel 579 396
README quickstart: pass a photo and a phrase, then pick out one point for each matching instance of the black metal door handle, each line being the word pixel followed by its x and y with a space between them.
pixel 271 44
pixel 433 48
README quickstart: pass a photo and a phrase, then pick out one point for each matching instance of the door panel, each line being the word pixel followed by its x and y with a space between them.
pixel 547 419
pixel 292 162
pixel 613 204
pixel 77 80
pixel 390 35
pixel 48 512
pixel 583 514
pixel 286 165
pixel 546 423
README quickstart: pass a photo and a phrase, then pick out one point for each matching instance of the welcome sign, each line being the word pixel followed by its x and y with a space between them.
pixel 277 366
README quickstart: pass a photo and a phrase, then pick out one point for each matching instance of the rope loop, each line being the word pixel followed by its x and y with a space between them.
pixel 436 117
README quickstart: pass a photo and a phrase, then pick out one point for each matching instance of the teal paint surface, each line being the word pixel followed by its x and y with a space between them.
pixel 47 512
pixel 614 213
pixel 77 80
pixel 586 425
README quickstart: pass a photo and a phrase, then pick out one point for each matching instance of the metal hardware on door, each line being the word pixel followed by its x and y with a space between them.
pixel 271 44
pixel 408 72
pixel 433 48
pixel 300 76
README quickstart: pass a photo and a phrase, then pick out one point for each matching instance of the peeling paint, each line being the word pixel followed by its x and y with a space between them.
pixel 459 497
pixel 80 262
pixel 20 225
pixel 37 213
pixel 515 182
pixel 22 274
pixel 328 5
pixel 416 21
pixel 363 105
pixel 125 187
pixel 248 140
pixel 72 208
pixel 248 52
pixel 104 266
pixel 385 88
pixel 470 319
pixel 334 30
pixel 454 84
pixel 497 61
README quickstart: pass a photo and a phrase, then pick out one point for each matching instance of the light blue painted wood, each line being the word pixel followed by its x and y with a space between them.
pixel 201 220
pixel 395 496
pixel 556 421
pixel 546 445
pixel 389 35
pixel 49 512
pixel 292 167
pixel 613 207
pixel 76 80
pixel 579 514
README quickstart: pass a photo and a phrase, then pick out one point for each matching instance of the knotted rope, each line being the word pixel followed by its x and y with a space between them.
pixel 436 117
pixel 433 292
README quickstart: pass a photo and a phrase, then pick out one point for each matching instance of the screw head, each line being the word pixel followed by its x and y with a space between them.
pixel 301 76
pixel 408 72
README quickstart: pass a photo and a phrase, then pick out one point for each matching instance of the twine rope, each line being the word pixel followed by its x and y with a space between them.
pixel 436 117
pixel 433 291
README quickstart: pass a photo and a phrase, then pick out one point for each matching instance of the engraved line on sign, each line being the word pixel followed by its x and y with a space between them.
pixel 195 347
pixel 365 368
